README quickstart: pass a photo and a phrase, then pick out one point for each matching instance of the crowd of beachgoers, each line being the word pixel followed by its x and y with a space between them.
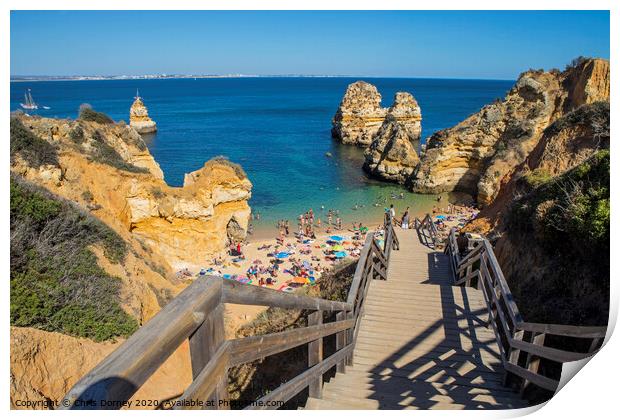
pixel 296 258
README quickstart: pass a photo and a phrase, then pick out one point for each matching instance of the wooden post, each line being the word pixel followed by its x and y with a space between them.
pixel 532 362
pixel 341 341
pixel 315 356
pixel 513 355
pixel 350 333
pixel 203 344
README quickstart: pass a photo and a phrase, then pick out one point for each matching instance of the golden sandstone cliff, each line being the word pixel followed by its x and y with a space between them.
pixel 393 153
pixel 478 155
pixel 359 115
pixel 106 170
pixel 139 118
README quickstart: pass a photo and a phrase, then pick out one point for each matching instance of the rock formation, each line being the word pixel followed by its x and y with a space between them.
pixel 126 189
pixel 45 365
pixel 393 153
pixel 107 170
pixel 359 115
pixel 476 155
pixel 139 117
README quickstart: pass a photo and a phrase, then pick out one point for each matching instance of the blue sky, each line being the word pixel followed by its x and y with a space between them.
pixel 466 44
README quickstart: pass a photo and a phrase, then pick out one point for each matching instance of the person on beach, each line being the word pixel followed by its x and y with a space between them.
pixel 405 219
pixel 286 227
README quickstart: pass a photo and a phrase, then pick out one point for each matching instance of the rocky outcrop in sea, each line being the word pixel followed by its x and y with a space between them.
pixel 393 153
pixel 139 118
pixel 478 155
pixel 359 115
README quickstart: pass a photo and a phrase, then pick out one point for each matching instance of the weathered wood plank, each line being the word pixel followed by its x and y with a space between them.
pixel 120 374
pixel 315 356
pixel 235 292
pixel 203 344
pixel 248 349
pixel 207 381
pixel 293 387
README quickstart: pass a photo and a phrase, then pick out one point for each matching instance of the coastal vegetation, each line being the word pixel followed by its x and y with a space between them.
pixel 565 220
pixel 87 113
pixel 224 160
pixel 34 150
pixel 56 283
pixel 594 116
pixel 102 152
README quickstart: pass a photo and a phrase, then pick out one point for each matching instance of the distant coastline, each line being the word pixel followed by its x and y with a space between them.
pixel 160 76
pixel 227 76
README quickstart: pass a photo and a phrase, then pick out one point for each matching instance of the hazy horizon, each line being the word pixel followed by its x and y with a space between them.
pixel 484 45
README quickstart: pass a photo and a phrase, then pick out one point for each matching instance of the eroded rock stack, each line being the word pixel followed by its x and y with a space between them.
pixel 139 117
pixel 392 155
pixel 478 155
pixel 359 115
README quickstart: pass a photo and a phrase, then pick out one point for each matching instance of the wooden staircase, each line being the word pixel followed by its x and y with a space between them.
pixel 422 344
pixel 420 329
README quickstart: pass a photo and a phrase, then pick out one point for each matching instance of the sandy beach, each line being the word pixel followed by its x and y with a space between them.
pixel 286 265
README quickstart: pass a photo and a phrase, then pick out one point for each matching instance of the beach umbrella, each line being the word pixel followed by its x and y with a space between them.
pixel 440 217
pixel 301 280
pixel 337 248
pixel 282 255
pixel 340 254
pixel 336 238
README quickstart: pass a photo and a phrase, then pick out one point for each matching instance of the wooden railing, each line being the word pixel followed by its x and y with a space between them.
pixel 527 350
pixel 427 231
pixel 197 314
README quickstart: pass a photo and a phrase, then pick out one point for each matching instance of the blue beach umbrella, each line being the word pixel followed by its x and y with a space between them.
pixel 336 238
pixel 440 217
pixel 340 254
pixel 281 255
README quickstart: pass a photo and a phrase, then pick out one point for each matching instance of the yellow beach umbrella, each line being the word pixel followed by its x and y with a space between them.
pixel 337 248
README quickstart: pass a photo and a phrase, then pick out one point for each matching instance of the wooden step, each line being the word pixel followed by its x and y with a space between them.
pixel 451 355
pixel 355 380
pixel 488 383
pixel 415 397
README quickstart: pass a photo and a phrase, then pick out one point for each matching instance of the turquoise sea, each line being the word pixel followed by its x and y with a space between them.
pixel 278 129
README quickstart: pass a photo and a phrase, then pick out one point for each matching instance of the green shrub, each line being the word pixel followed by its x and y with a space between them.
pixel 77 134
pixel 594 116
pixel 536 177
pixel 104 153
pixel 88 196
pixel 34 150
pixel 225 161
pixel 89 114
pixel 56 283
pixel 157 192
pixel 566 221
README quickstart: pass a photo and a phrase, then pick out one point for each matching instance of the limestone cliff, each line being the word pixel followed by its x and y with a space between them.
pixel 139 118
pixel 550 221
pixel 45 365
pixel 359 115
pixel 393 153
pixel 477 155
pixel 108 169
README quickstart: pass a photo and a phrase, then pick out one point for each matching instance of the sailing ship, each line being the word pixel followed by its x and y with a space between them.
pixel 29 102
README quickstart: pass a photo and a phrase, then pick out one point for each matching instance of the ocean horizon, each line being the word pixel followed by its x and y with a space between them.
pixel 277 128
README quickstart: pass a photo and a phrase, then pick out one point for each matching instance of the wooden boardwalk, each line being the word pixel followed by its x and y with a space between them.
pixel 422 344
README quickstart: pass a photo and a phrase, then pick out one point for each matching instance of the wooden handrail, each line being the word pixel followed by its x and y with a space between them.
pixel 426 224
pixel 197 314
pixel 522 344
